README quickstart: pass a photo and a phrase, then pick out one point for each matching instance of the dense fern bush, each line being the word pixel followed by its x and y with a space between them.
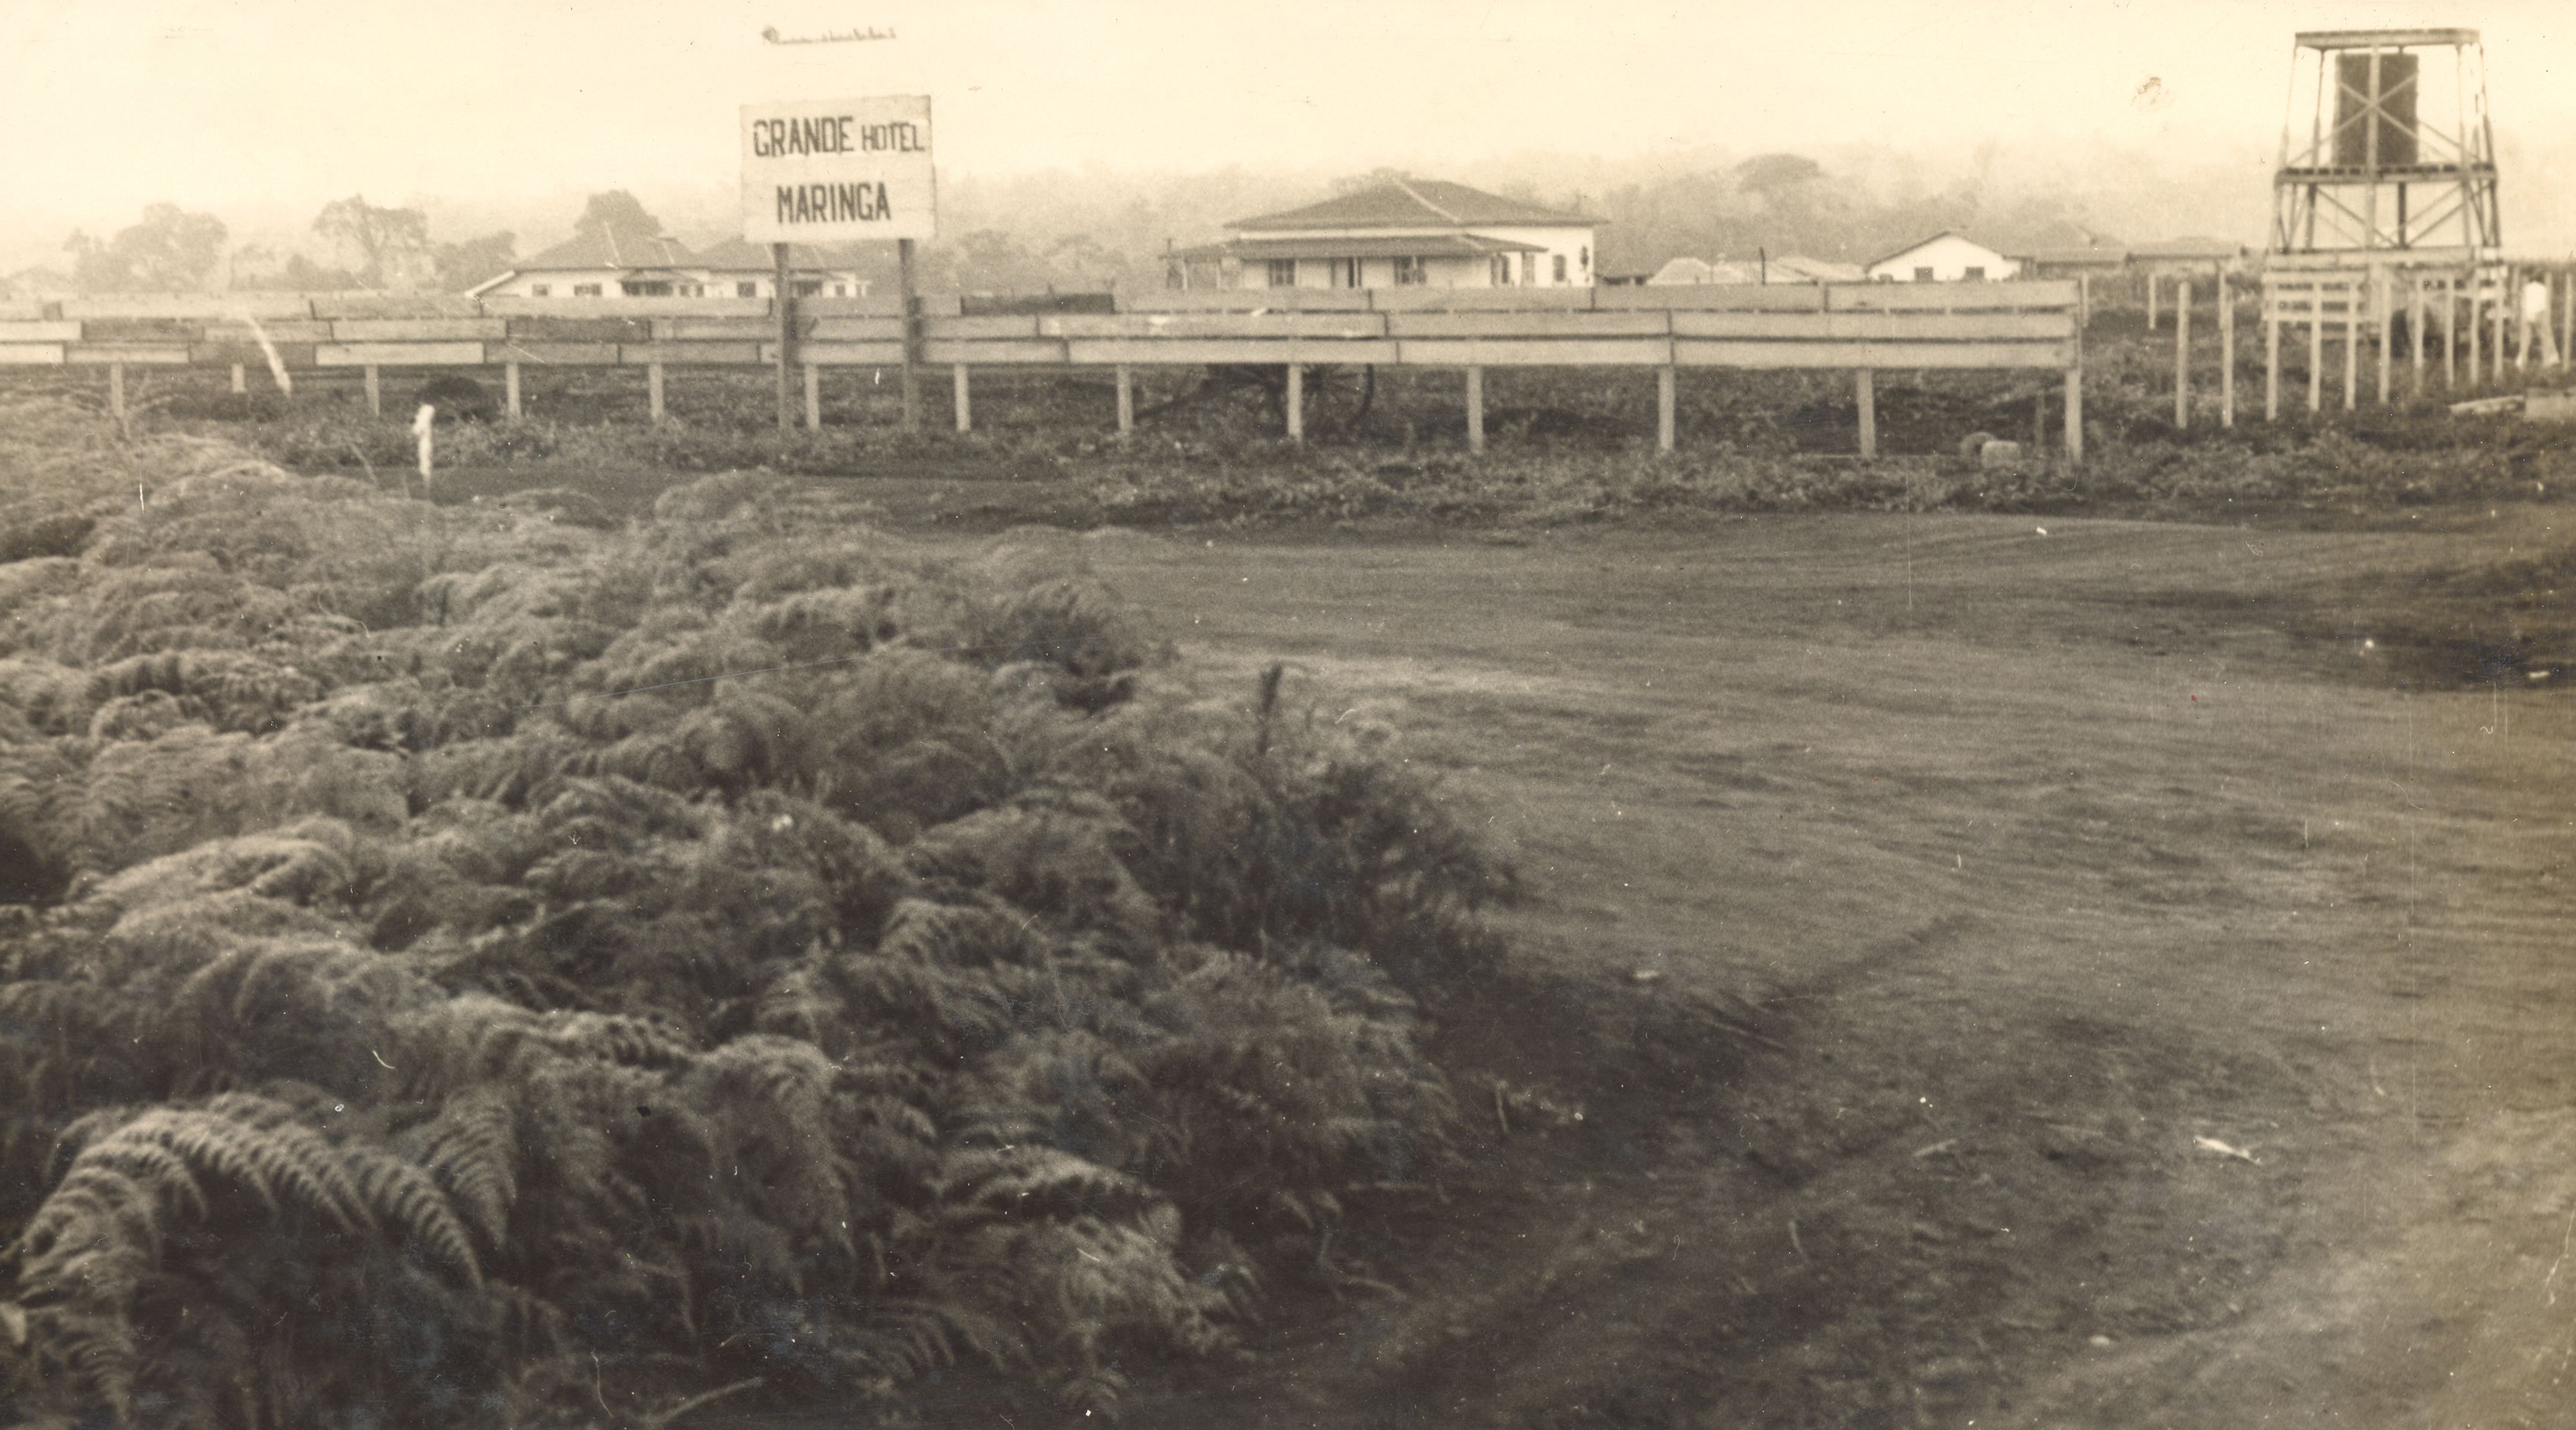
pixel 462 967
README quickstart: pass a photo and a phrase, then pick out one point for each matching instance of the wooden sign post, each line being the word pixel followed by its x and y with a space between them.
pixel 837 171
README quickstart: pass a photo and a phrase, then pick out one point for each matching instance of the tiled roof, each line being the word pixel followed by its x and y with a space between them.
pixel 1438 245
pixel 1412 203
pixel 604 248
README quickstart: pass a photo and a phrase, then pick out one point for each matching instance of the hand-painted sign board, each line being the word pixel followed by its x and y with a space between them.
pixel 834 170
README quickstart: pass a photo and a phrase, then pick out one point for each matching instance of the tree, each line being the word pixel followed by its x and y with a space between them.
pixel 171 251
pixel 390 245
pixel 619 213
pixel 462 265
pixel 1774 177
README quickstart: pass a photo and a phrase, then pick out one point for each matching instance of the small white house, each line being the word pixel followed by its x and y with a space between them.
pixel 1402 233
pixel 599 264
pixel 737 268
pixel 1944 258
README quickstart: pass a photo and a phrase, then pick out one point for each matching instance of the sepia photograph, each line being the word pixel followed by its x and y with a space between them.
pixel 938 714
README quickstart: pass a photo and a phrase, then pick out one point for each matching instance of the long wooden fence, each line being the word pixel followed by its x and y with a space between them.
pixel 2409 324
pixel 1860 327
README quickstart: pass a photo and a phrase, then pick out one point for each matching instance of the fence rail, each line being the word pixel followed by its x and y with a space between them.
pixel 1858 327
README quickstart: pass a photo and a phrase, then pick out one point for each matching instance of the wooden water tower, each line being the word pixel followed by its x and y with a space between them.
pixel 2398 153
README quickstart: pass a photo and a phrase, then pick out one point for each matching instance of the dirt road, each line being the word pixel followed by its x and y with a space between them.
pixel 2168 960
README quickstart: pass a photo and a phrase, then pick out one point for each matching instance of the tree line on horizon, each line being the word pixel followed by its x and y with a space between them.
pixel 1095 231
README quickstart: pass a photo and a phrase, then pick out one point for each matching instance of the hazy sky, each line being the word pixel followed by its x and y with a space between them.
pixel 111 104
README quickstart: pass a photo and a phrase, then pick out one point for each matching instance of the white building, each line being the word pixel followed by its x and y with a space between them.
pixel 1402 233
pixel 737 268
pixel 599 264
pixel 1944 258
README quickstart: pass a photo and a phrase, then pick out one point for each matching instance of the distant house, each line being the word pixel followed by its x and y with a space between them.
pixel 738 268
pixel 599 264
pixel 1403 233
pixel 1798 268
pixel 2075 261
pixel 1943 258
pixel 1788 268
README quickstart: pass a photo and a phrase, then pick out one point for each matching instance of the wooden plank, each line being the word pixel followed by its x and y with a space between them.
pixel 813 391
pixel 1295 406
pixel 142 330
pixel 686 330
pixel 129 354
pixel 880 305
pixel 1476 409
pixel 1244 300
pixel 621 306
pixel 1029 352
pixel 39 332
pixel 1950 297
pixel 1126 400
pixel 1508 352
pixel 395 305
pixel 375 391
pixel 31 354
pixel 855 330
pixel 1714 297
pixel 547 329
pixel 1479 300
pixel 292 355
pixel 197 306
pixel 1203 351
pixel 1872 327
pixel 1723 352
pixel 2182 355
pixel 653 390
pixel 1653 324
pixel 1865 391
pixel 416 330
pixel 1002 325
pixel 2075 416
pixel 1664 404
pixel 554 354
pixel 964 400
pixel 738 354
pixel 510 389
pixel 840 354
pixel 1212 325
pixel 399 355
pixel 283 330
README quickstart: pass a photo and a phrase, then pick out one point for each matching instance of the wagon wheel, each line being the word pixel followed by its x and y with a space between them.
pixel 1337 397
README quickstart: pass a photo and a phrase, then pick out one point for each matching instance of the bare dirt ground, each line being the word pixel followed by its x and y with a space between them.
pixel 2135 961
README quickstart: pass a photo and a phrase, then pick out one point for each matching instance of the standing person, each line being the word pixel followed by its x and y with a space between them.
pixel 2535 319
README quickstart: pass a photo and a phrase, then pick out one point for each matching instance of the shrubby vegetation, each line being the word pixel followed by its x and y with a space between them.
pixel 463 967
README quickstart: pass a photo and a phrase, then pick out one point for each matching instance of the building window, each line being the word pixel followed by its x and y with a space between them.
pixel 645 290
pixel 1410 272
pixel 1559 267
pixel 1346 273
pixel 746 290
pixel 539 290
pixel 1502 266
pixel 585 290
pixel 1975 275
pixel 809 287
pixel 840 290
pixel 1529 268
pixel 1283 272
pixel 1922 275
pixel 1586 265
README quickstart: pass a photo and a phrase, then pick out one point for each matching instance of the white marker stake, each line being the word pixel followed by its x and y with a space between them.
pixel 424 425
